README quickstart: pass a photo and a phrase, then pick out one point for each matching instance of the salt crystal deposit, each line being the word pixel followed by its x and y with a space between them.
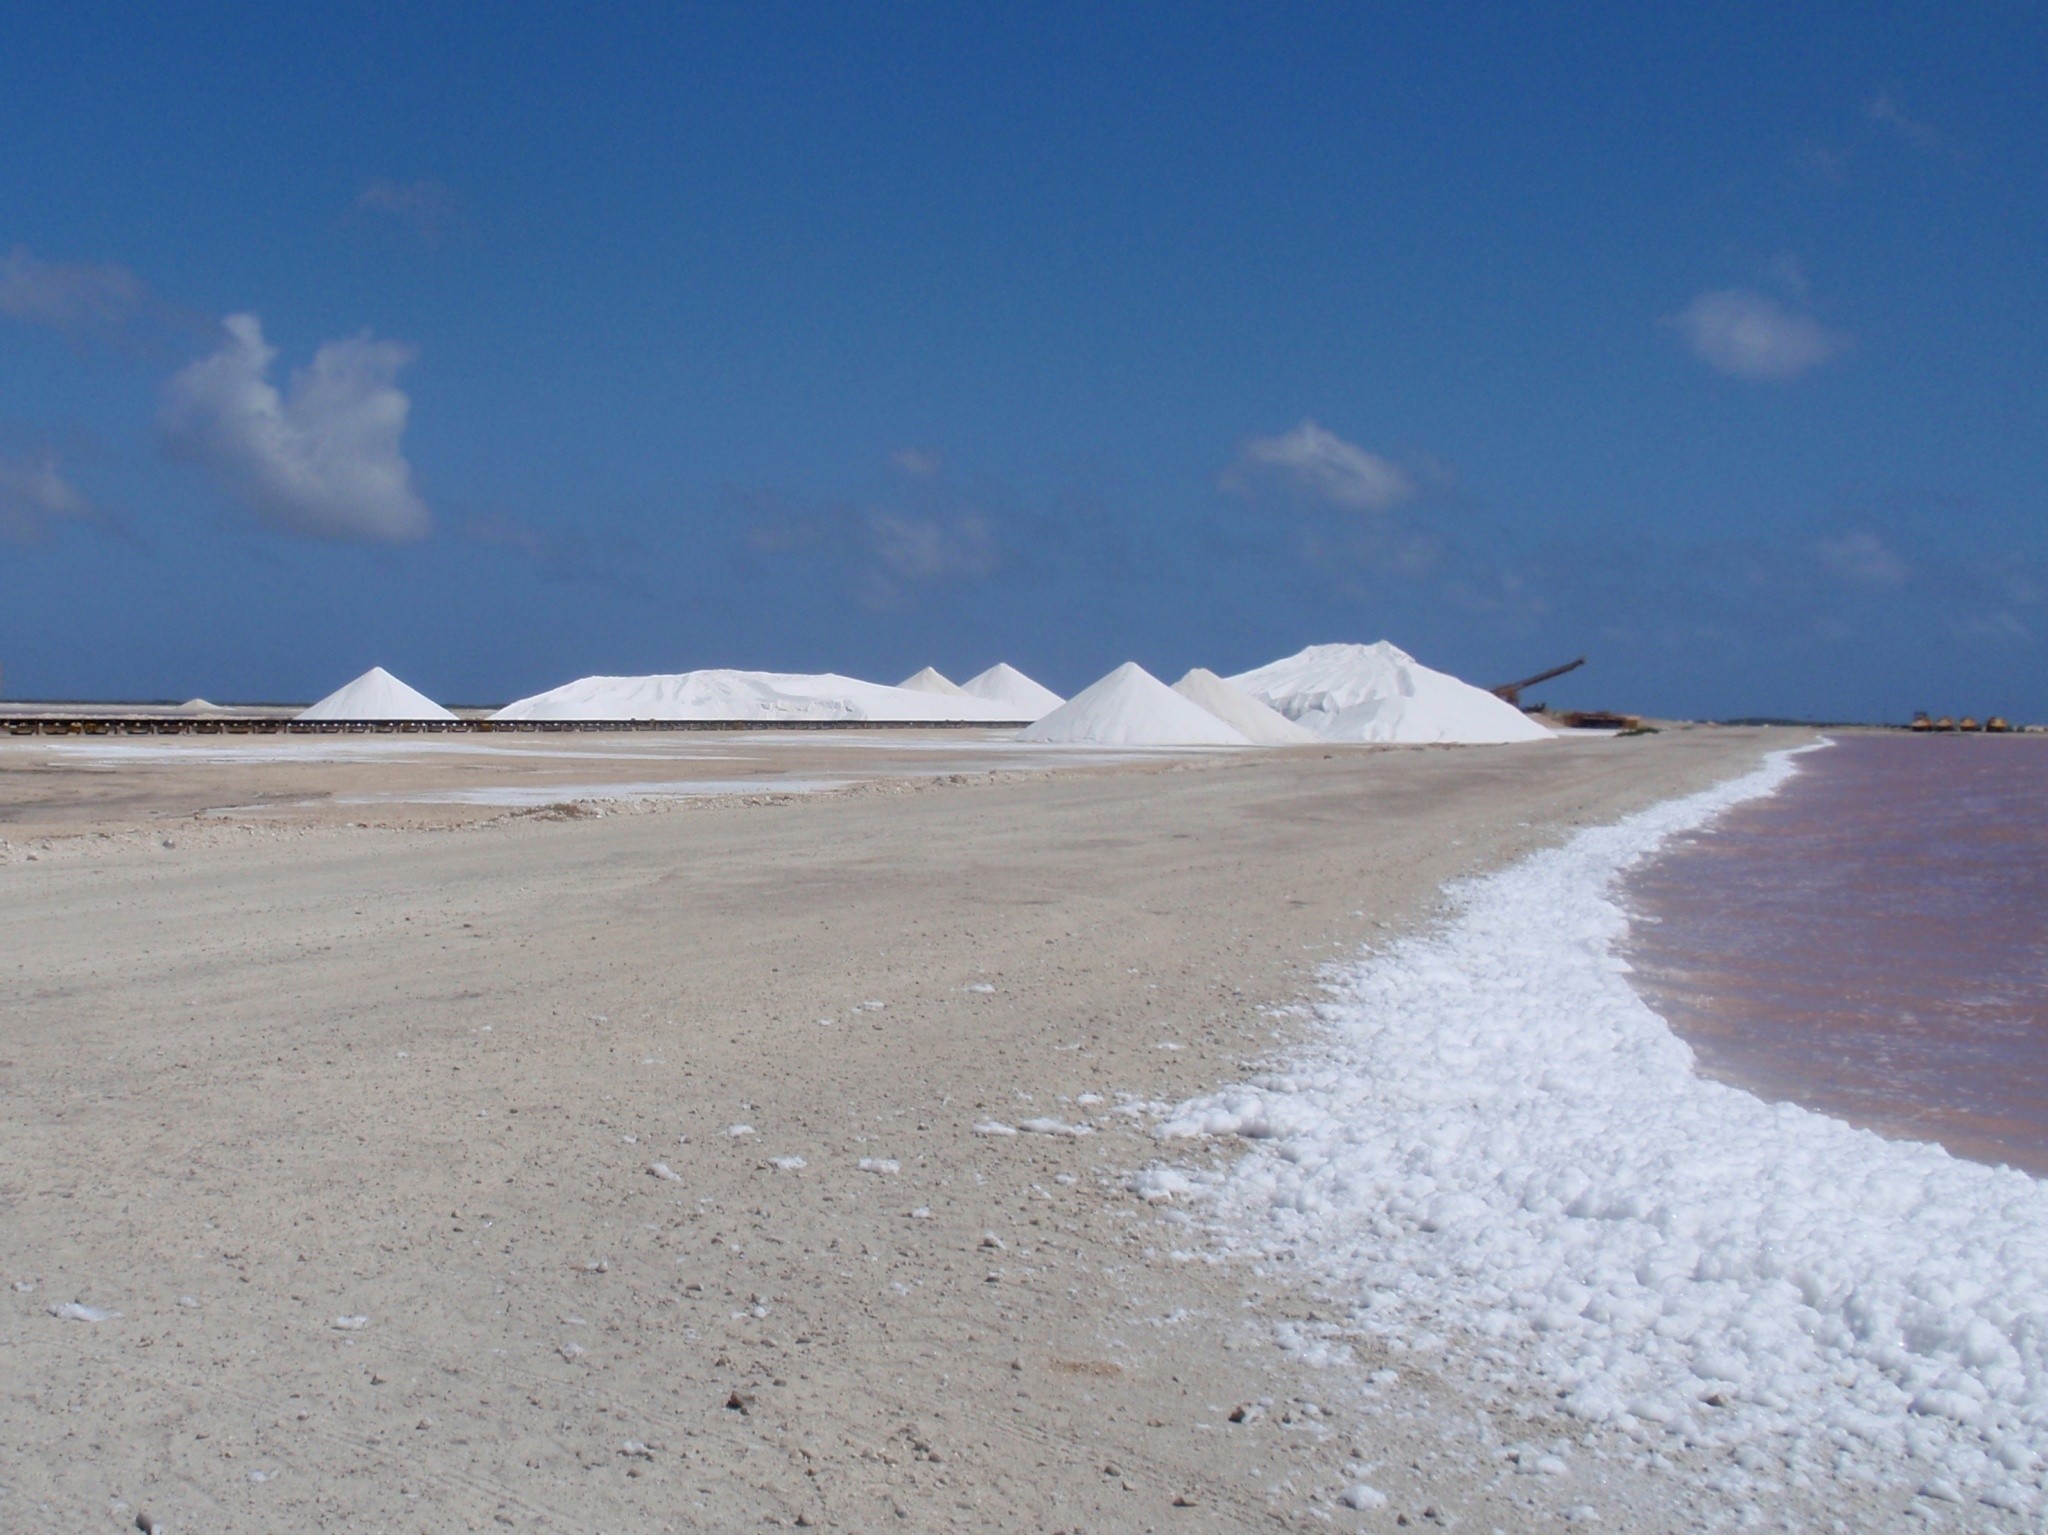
pixel 1255 721
pixel 376 695
pixel 1004 684
pixel 932 680
pixel 1131 707
pixel 1381 693
pixel 763 696
pixel 1491 1134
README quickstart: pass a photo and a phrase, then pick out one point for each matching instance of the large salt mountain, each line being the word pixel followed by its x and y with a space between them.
pixel 1131 707
pixel 1381 693
pixel 752 696
pixel 376 695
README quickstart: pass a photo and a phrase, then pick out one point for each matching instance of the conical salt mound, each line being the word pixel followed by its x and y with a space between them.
pixel 932 680
pixel 376 695
pixel 1381 693
pixel 1131 707
pixel 1004 684
pixel 1258 724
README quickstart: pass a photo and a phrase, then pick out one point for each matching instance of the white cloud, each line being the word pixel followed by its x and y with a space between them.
pixel 1747 334
pixel 65 295
pixel 1863 559
pixel 1321 464
pixel 324 457
pixel 32 495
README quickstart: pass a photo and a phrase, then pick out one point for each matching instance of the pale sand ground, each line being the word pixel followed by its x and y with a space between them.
pixel 419 1075
pixel 69 785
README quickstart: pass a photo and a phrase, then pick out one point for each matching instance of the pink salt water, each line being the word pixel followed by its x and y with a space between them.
pixel 1871 941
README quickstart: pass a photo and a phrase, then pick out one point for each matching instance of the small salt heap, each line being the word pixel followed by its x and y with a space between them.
pixel 376 695
pixel 932 680
pixel 1131 707
pixel 1381 693
pixel 1257 723
pixel 1004 684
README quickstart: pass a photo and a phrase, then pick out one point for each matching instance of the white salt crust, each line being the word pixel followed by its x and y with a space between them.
pixel 1494 1136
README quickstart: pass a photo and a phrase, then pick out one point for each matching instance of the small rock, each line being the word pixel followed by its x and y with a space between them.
pixel 74 1311
pixel 739 1401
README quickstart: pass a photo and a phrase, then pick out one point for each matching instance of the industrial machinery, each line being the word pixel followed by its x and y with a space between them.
pixel 1511 692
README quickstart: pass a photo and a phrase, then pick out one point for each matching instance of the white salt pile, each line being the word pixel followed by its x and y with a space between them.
pixel 750 696
pixel 1004 684
pixel 1131 707
pixel 932 680
pixel 1255 721
pixel 1493 1137
pixel 376 695
pixel 1380 693
pixel 199 706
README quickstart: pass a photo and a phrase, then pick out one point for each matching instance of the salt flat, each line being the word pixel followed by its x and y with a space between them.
pixel 474 1145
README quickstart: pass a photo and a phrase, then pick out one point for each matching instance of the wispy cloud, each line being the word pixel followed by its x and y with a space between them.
pixel 888 556
pixel 73 297
pixel 1317 463
pixel 1747 334
pixel 922 549
pixel 428 208
pixel 561 555
pixel 918 463
pixel 1862 558
pixel 323 457
pixel 102 303
pixel 33 495
pixel 1885 109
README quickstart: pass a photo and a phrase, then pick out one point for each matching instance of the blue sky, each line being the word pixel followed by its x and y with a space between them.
pixel 500 346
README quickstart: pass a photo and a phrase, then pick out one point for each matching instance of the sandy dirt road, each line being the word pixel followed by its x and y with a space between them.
pixel 623 1173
